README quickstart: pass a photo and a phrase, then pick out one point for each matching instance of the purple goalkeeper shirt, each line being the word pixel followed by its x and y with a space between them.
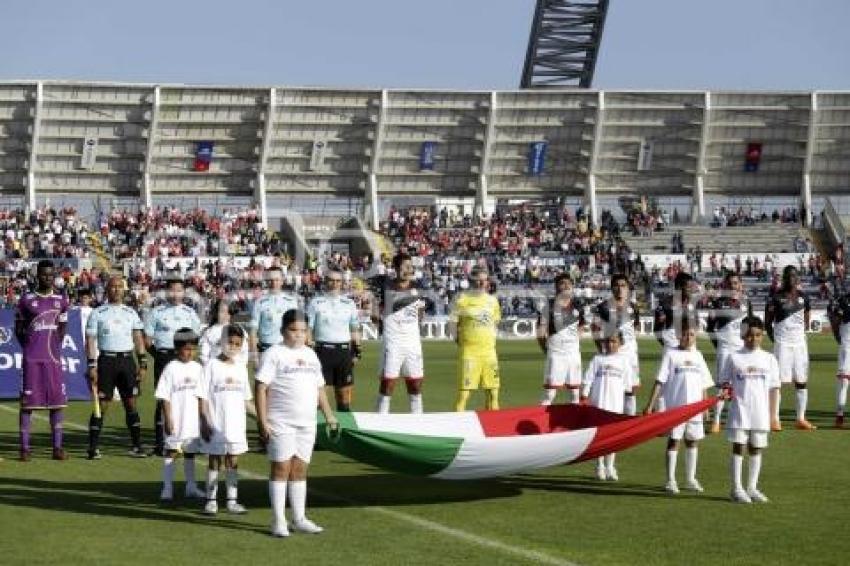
pixel 41 316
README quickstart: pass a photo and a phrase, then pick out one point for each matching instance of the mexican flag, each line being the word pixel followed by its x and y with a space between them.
pixel 483 444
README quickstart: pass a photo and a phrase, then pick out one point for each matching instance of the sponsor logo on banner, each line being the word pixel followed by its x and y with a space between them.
pixel 73 358
pixel 645 155
pixel 317 155
pixel 426 156
pixel 89 154
pixel 203 156
pixel 537 157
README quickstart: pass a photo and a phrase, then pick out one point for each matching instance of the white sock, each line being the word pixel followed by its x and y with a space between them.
pixel 548 397
pixel 691 464
pixel 672 456
pixel 382 404
pixel 630 405
pixel 298 497
pixel 718 411
pixel 609 461
pixel 576 396
pixel 802 401
pixel 755 470
pixel 167 472
pixel 841 395
pixel 416 403
pixel 661 404
pixel 778 404
pixel 600 463
pixel 231 481
pixel 212 484
pixel 189 472
pixel 736 469
pixel 277 495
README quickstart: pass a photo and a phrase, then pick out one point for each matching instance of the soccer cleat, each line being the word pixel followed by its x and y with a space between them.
pixel 775 425
pixel 137 452
pixel 307 526
pixel 280 531
pixel 25 456
pixel 166 495
pixel 803 424
pixel 600 474
pixel 235 508
pixel 694 485
pixel 612 474
pixel 60 454
pixel 94 454
pixel 671 487
pixel 714 428
pixel 757 497
pixel 211 508
pixel 839 421
pixel 740 496
pixel 192 492
pixel 158 452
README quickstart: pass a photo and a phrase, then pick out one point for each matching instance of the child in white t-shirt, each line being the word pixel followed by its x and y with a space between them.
pixel 607 379
pixel 289 386
pixel 753 376
pixel 685 378
pixel 177 389
pixel 223 396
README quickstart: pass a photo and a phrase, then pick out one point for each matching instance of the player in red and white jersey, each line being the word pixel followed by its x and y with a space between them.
pixel 558 332
pixel 399 313
pixel 786 319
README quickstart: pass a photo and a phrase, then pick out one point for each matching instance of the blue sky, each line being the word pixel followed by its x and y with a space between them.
pixel 460 44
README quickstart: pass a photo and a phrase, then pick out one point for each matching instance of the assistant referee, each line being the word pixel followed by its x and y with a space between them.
pixel 116 330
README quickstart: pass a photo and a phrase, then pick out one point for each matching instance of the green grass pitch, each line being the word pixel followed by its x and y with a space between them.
pixel 82 512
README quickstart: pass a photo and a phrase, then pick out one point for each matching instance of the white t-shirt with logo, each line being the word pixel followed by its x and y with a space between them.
pixel 179 385
pixel 293 377
pixel 226 388
pixel 685 376
pixel 606 380
pixel 752 374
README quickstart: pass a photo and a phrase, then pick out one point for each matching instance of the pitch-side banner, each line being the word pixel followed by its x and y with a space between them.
pixel 73 358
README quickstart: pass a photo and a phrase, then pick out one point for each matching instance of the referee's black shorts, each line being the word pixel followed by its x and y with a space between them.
pixel 116 370
pixel 337 363
pixel 161 358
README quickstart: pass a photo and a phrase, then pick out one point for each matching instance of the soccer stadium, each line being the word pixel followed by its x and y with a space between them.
pixel 558 274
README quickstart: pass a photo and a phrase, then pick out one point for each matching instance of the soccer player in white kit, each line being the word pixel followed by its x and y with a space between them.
pixel 685 378
pixel 724 328
pixel 224 395
pixel 289 386
pixel 620 315
pixel 177 389
pixel 786 320
pixel 608 377
pixel 559 328
pixel 753 376
pixel 401 312
pixel 839 320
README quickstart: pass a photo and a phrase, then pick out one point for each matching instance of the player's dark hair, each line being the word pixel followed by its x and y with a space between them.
pixel 476 271
pixel 618 277
pixel 753 322
pixel 184 336
pixel 398 259
pixel 727 278
pixel 233 330
pixel 273 268
pixel 44 264
pixel 232 308
pixel 174 277
pixel 682 279
pixel 562 277
pixel 291 316
pixel 84 292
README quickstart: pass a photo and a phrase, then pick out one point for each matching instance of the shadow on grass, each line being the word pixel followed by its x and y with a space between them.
pixel 592 486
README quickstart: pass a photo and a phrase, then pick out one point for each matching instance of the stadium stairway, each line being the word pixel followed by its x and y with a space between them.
pixel 761 238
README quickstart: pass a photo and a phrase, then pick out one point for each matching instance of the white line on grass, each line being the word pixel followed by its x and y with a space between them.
pixel 427 524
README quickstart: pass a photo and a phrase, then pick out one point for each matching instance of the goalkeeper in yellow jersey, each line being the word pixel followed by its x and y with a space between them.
pixel 474 319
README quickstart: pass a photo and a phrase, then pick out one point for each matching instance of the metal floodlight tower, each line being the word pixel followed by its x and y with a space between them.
pixel 564 43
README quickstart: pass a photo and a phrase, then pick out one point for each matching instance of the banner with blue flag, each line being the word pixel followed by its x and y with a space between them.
pixel 536 157
pixel 73 358
pixel 203 156
pixel 426 155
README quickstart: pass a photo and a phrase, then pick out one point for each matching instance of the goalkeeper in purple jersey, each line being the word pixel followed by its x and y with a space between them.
pixel 40 327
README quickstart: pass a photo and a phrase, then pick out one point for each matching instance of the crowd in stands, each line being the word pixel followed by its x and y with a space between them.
pixel 746 216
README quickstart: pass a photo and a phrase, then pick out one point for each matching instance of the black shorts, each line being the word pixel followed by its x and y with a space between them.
pixel 116 371
pixel 161 358
pixel 337 364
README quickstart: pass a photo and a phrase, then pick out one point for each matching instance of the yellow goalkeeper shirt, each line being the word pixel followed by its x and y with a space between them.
pixel 477 317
